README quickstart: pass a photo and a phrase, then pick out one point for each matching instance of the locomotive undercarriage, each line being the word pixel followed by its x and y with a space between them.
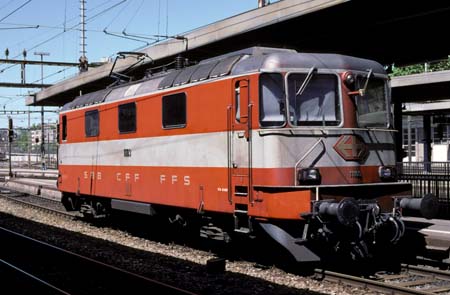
pixel 352 228
pixel 90 207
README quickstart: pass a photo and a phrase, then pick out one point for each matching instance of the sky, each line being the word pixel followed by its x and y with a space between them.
pixel 53 27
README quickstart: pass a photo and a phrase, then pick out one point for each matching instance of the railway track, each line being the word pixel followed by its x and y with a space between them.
pixel 442 265
pixel 411 280
pixel 22 282
pixel 37 202
pixel 65 272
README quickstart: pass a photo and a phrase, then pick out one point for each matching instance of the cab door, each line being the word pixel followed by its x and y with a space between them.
pixel 240 149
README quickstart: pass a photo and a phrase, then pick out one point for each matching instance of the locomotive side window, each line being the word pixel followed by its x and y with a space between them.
pixel 241 100
pixel 316 103
pixel 237 102
pixel 174 110
pixel 272 100
pixel 64 128
pixel 90 123
pixel 127 117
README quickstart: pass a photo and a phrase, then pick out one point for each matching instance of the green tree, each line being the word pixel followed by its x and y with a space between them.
pixel 435 66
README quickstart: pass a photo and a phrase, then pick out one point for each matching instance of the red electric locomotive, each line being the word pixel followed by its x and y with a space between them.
pixel 299 145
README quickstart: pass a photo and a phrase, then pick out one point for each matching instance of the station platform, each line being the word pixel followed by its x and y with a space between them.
pixel 435 233
pixel 36 186
pixel 30 173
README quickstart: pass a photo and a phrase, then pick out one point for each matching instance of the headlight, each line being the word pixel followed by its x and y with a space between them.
pixel 309 176
pixel 349 79
pixel 387 173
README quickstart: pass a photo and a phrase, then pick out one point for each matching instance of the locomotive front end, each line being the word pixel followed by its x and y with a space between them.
pixel 328 127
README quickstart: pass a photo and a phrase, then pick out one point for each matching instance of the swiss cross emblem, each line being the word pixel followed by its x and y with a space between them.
pixel 351 148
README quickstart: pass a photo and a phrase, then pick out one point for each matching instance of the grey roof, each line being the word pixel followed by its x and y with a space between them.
pixel 275 61
pixel 254 59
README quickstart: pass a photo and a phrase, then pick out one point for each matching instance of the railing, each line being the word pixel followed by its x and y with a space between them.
pixel 426 178
pixel 430 66
pixel 21 158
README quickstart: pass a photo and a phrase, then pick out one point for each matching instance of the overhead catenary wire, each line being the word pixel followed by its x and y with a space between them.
pixel 74 18
pixel 52 74
pixel 88 74
pixel 119 13
pixel 15 10
pixel 66 28
pixel 64 37
pixel 69 29
pixel 167 17
pixel 63 27
pixel 20 28
pixel 9 2
pixel 134 14
pixel 137 37
pixel 106 10
pixel 124 37
pixel 142 36
pixel 159 16
pixel 41 26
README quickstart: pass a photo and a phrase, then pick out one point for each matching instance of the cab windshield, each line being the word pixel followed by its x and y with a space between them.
pixel 313 99
pixel 372 107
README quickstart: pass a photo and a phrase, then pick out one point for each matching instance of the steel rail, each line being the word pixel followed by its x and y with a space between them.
pixel 88 259
pixel 426 271
pixel 36 206
pixel 369 283
pixel 437 264
pixel 34 278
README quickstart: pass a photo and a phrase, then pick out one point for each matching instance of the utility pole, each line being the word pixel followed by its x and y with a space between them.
pixel 22 67
pixel 262 3
pixel 25 62
pixel 10 139
pixel 29 138
pixel 49 129
pixel 42 54
pixel 83 66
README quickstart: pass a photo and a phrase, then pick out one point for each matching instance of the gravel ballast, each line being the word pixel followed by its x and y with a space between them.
pixel 181 266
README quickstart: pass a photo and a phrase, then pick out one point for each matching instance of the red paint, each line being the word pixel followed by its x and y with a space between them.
pixel 208 110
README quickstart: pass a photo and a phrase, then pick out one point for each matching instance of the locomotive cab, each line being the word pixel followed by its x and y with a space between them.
pixel 328 130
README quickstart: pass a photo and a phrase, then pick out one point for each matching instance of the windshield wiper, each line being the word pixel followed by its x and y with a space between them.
pixel 306 81
pixel 362 91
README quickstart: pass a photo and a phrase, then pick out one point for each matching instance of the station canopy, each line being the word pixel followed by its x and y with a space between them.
pixel 405 33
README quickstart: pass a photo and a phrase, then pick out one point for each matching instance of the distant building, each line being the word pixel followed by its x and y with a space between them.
pixel 440 138
pixel 49 135
pixel 3 135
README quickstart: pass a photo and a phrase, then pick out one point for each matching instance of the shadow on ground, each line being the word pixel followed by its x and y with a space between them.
pixel 180 273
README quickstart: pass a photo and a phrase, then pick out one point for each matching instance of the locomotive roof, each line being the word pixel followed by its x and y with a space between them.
pixel 254 59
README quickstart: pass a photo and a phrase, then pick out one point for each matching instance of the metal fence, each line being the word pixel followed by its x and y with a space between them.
pixel 33 148
pixel 426 178
pixel 31 159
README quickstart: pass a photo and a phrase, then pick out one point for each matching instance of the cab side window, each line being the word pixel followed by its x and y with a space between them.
pixel 64 128
pixel 90 123
pixel 127 117
pixel 174 111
